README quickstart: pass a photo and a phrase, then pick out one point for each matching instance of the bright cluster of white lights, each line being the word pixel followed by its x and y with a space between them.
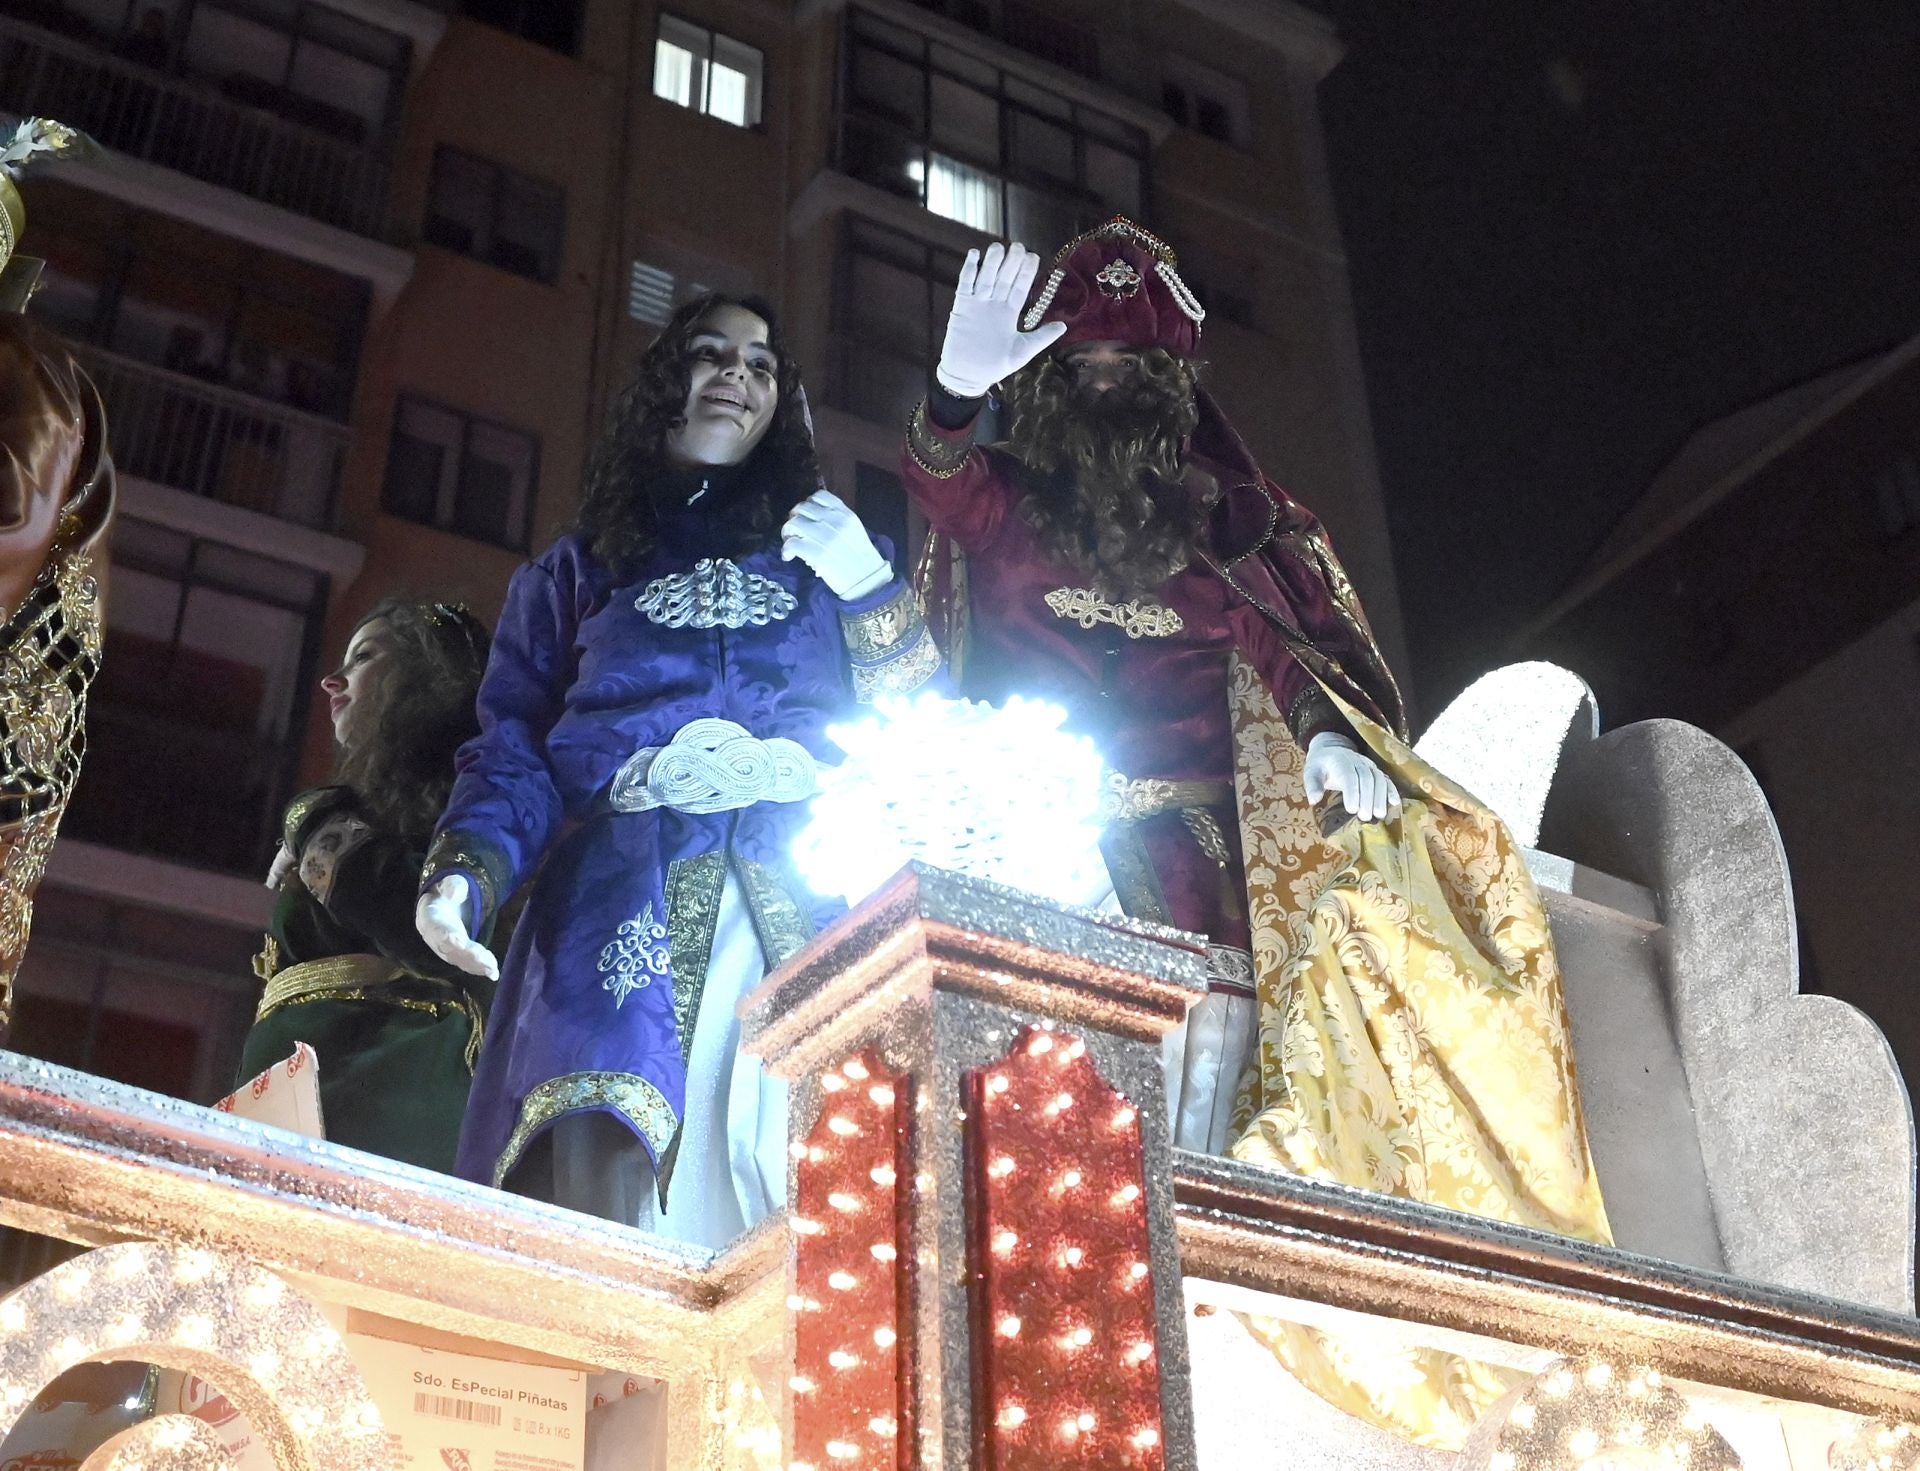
pixel 998 792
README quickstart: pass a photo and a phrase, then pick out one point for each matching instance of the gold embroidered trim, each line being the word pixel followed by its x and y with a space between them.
pixel 940 457
pixel 1135 884
pixel 456 850
pixel 693 909
pixel 298 982
pixel 1136 619
pixel 904 673
pixel 1207 832
pixel 1126 800
pixel 881 633
pixel 49 655
pixel 635 1099
pixel 1310 710
pixel 439 1010
pixel 782 924
pixel 302 808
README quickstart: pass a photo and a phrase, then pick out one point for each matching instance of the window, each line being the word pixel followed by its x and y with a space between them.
pixel 1209 102
pixel 1896 497
pixel 1026 27
pixel 494 214
pixel 895 293
pixel 174 296
pixel 554 24
pixel 973 143
pixel 194 724
pixel 708 72
pixel 311 64
pixel 461 474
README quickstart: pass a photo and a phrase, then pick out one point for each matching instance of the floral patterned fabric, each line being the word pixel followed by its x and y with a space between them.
pixel 1413 1037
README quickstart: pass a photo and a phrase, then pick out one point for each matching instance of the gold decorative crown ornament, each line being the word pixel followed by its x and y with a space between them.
pixel 34 137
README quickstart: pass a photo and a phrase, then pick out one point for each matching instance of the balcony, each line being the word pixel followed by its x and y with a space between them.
pixel 211 441
pixel 192 128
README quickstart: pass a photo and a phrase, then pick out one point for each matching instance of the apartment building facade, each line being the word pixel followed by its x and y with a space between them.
pixel 359 277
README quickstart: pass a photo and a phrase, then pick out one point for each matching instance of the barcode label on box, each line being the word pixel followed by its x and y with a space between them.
pixel 448 1407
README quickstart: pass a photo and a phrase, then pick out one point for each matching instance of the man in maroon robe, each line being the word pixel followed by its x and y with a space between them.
pixel 1115 556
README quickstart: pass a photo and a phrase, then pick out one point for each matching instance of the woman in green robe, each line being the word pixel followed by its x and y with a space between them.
pixel 396 1029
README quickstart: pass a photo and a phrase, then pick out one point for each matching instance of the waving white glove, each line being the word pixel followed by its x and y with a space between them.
pixel 984 341
pixel 441 918
pixel 1335 764
pixel 282 866
pixel 824 533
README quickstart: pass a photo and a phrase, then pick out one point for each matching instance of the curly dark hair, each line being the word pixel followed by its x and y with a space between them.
pixel 1107 490
pixel 618 515
pixel 422 710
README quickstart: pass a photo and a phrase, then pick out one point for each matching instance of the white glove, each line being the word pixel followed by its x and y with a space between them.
pixel 282 866
pixel 1335 764
pixel 824 533
pixel 984 341
pixel 441 918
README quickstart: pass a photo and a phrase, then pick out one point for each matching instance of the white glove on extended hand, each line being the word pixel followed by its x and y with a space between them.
pixel 441 918
pixel 282 866
pixel 1335 764
pixel 824 533
pixel 984 341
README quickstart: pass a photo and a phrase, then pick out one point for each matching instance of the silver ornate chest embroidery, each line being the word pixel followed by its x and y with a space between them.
pixel 635 957
pixel 715 594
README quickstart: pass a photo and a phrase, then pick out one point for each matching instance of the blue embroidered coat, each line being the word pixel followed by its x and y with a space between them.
pixel 600 988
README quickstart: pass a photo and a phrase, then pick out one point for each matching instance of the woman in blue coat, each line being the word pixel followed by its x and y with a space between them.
pixel 659 689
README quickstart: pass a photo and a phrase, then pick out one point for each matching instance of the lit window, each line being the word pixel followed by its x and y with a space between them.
pixel 973 142
pixel 957 192
pixel 700 69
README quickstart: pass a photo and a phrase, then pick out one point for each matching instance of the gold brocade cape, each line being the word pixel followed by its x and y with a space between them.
pixel 1413 1038
pixel 56 501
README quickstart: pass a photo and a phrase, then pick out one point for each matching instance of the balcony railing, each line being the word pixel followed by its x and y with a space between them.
pixel 191 127
pixel 211 441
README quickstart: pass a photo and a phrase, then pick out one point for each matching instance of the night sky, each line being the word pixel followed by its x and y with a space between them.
pixel 1578 229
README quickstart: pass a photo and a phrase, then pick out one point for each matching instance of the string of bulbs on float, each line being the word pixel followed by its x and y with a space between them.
pixel 185 1307
pixel 1595 1412
pixel 849 1299
pixel 1065 1286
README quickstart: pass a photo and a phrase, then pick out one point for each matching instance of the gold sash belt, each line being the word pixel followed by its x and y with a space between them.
pixel 366 978
pixel 1129 800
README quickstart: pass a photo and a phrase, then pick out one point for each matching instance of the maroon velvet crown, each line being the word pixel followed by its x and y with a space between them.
pixel 1118 283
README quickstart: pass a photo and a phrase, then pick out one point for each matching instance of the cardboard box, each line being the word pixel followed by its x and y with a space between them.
pixel 286 1095
pixel 445 1409
pixel 449 1411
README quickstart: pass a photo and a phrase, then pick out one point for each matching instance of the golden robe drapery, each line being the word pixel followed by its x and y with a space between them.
pixel 1413 1037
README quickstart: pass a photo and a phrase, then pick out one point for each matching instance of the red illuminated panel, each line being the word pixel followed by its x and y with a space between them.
pixel 1063 1290
pixel 852 1340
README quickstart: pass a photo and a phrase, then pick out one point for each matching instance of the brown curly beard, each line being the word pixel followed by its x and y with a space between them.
pixel 1107 491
